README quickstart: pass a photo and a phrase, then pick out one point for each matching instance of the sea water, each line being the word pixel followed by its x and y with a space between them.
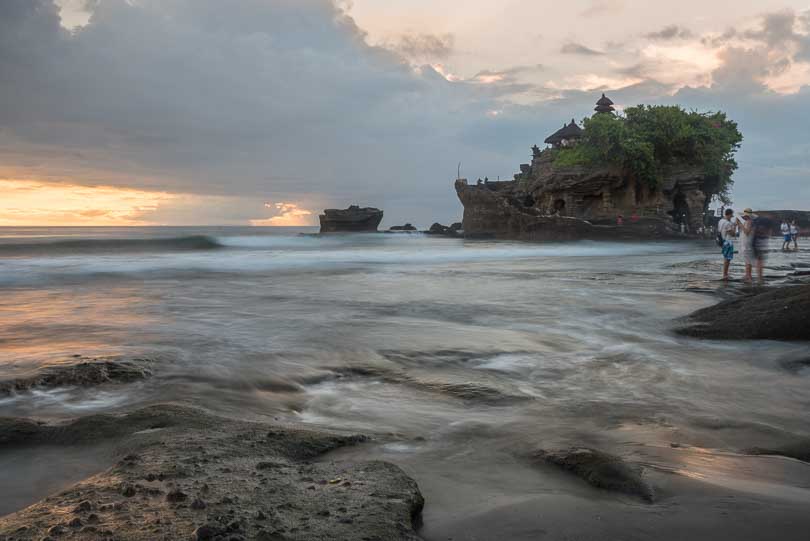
pixel 443 347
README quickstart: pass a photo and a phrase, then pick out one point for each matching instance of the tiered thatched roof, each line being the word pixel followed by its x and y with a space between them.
pixel 604 105
pixel 567 132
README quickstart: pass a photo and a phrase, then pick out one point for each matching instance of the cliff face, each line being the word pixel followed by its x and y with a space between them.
pixel 549 202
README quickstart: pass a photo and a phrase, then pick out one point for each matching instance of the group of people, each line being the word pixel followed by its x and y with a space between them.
pixel 790 233
pixel 752 233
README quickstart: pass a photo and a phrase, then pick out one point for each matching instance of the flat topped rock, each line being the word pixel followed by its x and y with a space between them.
pixel 353 219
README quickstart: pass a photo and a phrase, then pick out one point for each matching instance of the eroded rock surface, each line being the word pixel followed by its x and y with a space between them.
pixel 187 475
pixel 546 201
pixel 775 314
pixel 601 470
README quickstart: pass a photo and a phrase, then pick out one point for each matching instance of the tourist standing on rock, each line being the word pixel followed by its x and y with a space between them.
pixel 725 230
pixel 794 234
pixel 746 228
pixel 785 236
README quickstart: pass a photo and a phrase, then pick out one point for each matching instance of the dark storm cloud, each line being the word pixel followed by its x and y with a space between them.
pixel 669 33
pixel 578 48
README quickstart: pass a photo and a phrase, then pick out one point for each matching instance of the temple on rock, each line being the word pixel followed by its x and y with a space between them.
pixel 547 198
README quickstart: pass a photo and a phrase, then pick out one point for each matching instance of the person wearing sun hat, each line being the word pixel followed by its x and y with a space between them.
pixel 746 241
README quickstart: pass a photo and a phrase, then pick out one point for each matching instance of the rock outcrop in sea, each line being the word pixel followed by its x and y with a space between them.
pixel 406 227
pixel 599 198
pixel 351 220
pixel 549 202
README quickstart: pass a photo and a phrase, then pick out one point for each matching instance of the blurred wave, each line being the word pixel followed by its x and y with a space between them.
pixel 108 246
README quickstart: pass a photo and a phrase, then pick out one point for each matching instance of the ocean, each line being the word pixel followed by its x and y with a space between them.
pixel 463 356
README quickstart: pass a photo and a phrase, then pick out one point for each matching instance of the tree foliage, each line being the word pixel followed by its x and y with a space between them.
pixel 647 139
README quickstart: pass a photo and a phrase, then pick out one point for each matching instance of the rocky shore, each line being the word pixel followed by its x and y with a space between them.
pixel 183 474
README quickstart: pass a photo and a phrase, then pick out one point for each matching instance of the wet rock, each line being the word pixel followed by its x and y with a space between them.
pixel 601 470
pixel 406 227
pixel 264 535
pixel 176 496
pixel 800 450
pixel 390 499
pixel 56 531
pixel 205 533
pixel 439 229
pixel 269 465
pixel 83 507
pixel 86 372
pixel 775 314
pixel 15 431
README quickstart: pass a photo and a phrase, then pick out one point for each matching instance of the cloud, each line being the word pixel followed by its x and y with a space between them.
pixel 507 75
pixel 772 55
pixel 424 48
pixel 579 49
pixel 598 8
pixel 287 214
pixel 286 101
pixel 670 32
pixel 271 100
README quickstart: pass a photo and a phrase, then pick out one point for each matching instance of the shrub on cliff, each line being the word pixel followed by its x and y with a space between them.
pixel 647 139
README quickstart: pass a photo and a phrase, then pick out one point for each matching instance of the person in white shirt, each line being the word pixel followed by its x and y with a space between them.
pixel 785 236
pixel 794 234
pixel 746 228
pixel 725 228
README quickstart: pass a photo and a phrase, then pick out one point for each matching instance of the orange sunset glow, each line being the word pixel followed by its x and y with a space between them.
pixel 27 202
pixel 289 214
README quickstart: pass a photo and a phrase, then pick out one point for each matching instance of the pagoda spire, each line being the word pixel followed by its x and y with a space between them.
pixel 604 105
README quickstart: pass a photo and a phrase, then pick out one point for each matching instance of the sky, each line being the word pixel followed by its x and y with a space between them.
pixel 264 112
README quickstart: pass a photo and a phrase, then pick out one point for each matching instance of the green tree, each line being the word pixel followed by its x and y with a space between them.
pixel 647 139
